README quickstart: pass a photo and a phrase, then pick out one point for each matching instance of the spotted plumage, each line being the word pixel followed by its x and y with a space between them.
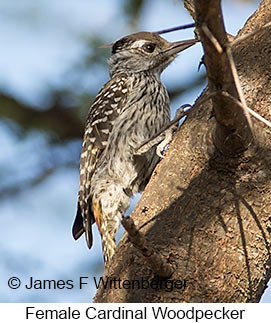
pixel 129 109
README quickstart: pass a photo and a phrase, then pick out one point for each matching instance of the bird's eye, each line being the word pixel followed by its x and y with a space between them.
pixel 149 47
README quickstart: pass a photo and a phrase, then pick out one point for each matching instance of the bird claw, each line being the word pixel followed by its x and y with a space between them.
pixel 164 137
pixel 159 150
pixel 161 147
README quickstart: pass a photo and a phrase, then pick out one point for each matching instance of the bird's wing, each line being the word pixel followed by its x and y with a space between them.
pixel 101 118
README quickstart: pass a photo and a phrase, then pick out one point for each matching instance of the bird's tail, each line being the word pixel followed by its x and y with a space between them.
pixel 107 228
pixel 108 244
pixel 83 223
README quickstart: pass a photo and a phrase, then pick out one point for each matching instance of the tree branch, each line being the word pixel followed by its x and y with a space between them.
pixel 22 186
pixel 157 263
pixel 57 120
pixel 233 131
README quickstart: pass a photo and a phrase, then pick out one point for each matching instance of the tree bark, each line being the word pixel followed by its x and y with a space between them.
pixel 207 207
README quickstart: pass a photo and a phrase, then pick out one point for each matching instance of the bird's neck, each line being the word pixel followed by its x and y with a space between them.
pixel 140 74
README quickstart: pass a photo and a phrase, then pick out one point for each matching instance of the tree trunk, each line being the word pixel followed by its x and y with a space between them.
pixel 207 207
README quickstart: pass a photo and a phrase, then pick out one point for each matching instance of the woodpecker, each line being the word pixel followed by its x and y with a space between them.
pixel 129 109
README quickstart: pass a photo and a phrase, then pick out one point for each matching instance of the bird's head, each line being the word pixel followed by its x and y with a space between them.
pixel 144 51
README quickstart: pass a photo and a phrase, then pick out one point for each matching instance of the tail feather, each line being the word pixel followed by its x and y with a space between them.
pixel 81 225
pixel 109 247
pixel 77 228
pixel 88 233
pixel 107 230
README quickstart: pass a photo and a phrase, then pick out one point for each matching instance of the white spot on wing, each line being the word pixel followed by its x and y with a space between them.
pixel 84 154
pixel 108 112
pixel 99 121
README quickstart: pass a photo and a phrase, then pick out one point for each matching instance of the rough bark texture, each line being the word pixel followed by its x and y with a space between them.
pixel 206 211
pixel 233 134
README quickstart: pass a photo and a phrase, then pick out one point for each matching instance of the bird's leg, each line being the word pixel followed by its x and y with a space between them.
pixel 147 145
pixel 168 135
pixel 164 136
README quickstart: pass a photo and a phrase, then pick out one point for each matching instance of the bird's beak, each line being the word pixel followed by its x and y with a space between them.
pixel 179 46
